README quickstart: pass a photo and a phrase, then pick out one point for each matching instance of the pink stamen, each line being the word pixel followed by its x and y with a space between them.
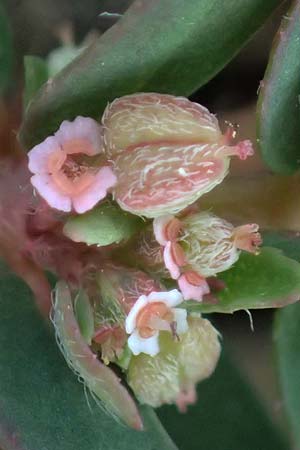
pixel 246 237
pixel 243 149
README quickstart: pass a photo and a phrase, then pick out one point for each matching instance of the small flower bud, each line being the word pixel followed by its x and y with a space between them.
pixel 169 376
pixel 167 152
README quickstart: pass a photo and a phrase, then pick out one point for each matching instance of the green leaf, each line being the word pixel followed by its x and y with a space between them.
pixel 96 376
pixel 268 280
pixel 6 50
pixel 289 243
pixel 103 225
pixel 228 416
pixel 286 338
pixel 167 46
pixel 84 315
pixel 43 406
pixel 279 103
pixel 36 74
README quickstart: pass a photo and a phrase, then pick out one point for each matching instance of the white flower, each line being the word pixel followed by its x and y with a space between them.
pixel 151 314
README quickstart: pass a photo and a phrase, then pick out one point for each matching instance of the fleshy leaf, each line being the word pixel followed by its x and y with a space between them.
pixel 36 74
pixel 287 343
pixel 286 338
pixel 162 46
pixel 84 315
pixel 279 106
pixel 227 411
pixel 98 378
pixel 103 225
pixel 43 406
pixel 267 280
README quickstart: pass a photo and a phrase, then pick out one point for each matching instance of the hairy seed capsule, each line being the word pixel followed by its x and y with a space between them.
pixel 166 151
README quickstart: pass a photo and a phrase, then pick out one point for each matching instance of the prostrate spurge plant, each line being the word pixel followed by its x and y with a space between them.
pixel 154 155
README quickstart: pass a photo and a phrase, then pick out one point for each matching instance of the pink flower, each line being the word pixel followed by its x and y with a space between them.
pixel 167 152
pixel 62 175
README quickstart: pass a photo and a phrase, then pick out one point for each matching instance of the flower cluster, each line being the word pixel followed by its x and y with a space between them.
pixel 200 245
pixel 154 156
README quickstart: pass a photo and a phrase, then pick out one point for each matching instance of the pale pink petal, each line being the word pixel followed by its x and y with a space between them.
pixel 170 263
pixel 159 228
pixel 39 155
pixel 191 291
pixel 82 128
pixel 104 180
pixel 49 191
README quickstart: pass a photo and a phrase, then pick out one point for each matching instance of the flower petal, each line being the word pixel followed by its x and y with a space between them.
pixel 192 291
pixel 86 200
pixel 169 298
pixel 82 128
pixel 39 155
pixel 180 317
pixel 170 263
pixel 130 322
pixel 159 228
pixel 138 345
pixel 48 190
